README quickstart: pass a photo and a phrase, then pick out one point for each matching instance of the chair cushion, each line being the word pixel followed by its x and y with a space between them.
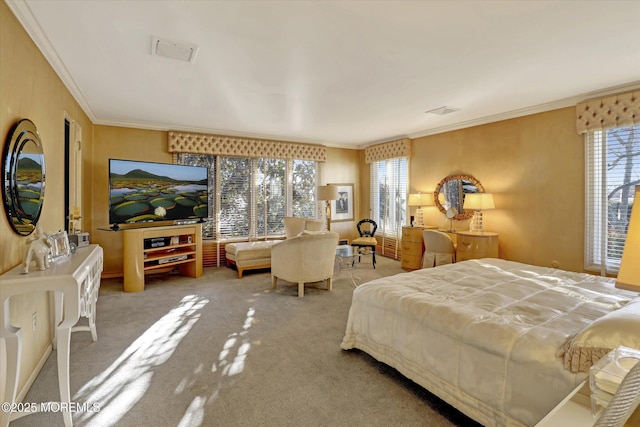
pixel 371 241
pixel 250 250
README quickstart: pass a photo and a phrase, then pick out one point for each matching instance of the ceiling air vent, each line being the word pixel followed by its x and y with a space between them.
pixel 181 51
pixel 442 110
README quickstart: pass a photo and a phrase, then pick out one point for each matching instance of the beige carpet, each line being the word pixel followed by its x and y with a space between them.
pixel 219 351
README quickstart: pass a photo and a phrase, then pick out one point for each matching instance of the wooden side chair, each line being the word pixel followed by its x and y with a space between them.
pixel 366 228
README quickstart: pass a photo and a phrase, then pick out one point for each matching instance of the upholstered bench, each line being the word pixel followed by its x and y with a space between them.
pixel 249 255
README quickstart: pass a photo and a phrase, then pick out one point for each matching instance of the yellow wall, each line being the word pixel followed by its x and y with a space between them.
pixel 29 88
pixel 534 165
pixel 342 168
pixel 118 143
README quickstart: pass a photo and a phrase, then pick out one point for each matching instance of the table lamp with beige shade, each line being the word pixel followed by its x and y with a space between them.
pixel 420 200
pixel 328 193
pixel 629 273
pixel 478 202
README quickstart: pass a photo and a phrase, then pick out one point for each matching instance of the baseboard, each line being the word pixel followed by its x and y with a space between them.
pixel 32 378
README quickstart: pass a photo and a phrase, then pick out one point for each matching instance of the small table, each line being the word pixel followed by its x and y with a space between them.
pixel 347 254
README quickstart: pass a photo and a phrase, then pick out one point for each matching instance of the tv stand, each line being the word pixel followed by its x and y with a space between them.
pixel 154 248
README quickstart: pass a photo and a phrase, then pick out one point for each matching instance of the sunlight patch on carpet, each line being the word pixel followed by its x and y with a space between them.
pixel 119 387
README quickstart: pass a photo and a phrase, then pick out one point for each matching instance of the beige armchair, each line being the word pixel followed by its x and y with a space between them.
pixel 309 257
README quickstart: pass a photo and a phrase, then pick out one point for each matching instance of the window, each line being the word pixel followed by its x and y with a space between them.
pixel 253 195
pixel 612 171
pixel 389 196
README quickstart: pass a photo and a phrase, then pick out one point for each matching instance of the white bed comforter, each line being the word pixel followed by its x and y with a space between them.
pixel 481 334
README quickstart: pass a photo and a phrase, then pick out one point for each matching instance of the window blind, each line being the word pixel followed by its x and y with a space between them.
pixel 612 168
pixel 233 189
pixel 249 197
pixel 271 197
pixel 389 185
pixel 303 188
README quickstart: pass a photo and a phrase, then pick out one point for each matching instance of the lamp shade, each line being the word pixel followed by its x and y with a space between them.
pixel 478 201
pixel 629 273
pixel 328 192
pixel 420 199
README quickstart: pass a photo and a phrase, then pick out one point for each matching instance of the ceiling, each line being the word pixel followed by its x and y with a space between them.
pixel 338 73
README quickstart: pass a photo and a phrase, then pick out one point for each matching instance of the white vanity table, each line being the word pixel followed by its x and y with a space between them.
pixel 75 281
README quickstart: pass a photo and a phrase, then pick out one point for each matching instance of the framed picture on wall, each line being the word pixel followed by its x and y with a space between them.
pixel 342 209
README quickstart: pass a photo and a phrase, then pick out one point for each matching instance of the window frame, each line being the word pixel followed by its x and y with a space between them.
pixel 603 241
pixel 396 170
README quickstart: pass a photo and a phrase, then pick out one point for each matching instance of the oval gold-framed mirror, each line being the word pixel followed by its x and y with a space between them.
pixel 449 194
pixel 23 177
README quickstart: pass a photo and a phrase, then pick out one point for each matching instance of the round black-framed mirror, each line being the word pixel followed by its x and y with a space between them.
pixel 23 175
pixel 450 192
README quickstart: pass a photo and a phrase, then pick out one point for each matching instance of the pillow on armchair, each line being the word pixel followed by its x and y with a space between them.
pixel 313 225
pixel 294 226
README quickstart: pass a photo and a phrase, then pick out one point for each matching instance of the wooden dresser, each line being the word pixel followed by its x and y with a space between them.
pixel 413 247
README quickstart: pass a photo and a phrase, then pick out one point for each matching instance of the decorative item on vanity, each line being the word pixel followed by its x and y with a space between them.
pixel 38 250
pixel 419 200
pixel 478 202
pixel 328 193
pixel 629 273
pixel 451 214
pixel 60 246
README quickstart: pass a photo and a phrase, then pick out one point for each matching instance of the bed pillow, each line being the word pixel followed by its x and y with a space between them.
pixel 619 327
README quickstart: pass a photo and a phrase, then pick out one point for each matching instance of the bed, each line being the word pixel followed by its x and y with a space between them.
pixel 501 341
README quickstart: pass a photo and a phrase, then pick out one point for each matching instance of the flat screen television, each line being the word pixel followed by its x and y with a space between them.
pixel 147 191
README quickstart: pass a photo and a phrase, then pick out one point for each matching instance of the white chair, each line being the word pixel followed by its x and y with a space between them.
pixel 309 257
pixel 438 249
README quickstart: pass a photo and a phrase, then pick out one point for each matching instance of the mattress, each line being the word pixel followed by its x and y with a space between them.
pixel 482 334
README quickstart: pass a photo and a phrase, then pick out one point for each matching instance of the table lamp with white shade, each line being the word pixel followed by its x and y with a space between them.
pixel 478 202
pixel 328 192
pixel 629 273
pixel 419 200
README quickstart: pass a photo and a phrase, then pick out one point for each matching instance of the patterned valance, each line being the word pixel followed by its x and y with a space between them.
pixel 233 146
pixel 388 150
pixel 609 112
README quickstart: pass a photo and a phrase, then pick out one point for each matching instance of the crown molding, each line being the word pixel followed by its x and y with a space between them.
pixel 541 108
pixel 23 14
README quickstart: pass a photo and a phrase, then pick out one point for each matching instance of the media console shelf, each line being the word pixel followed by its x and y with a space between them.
pixel 152 248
